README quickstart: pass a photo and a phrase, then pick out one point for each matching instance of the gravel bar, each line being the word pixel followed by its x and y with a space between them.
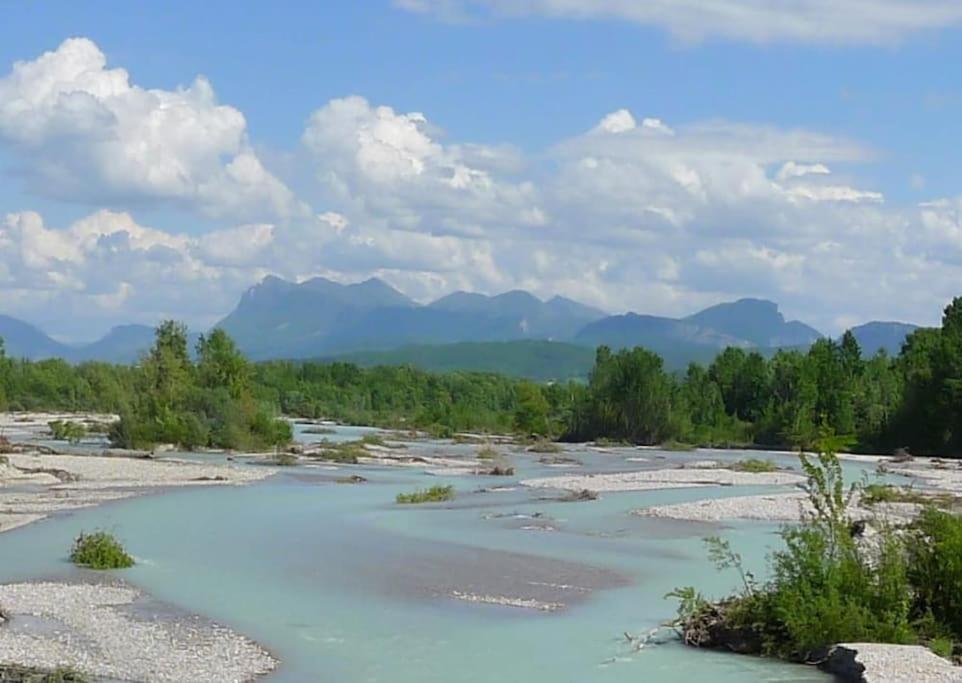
pixel 665 478
pixel 90 628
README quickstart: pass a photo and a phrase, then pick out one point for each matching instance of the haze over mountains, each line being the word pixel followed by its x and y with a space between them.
pixel 370 322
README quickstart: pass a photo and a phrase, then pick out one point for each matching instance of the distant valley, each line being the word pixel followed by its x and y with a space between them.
pixel 515 333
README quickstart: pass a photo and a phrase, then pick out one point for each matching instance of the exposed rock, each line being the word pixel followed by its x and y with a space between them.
pixel 500 471
pixel 901 455
pixel 578 496
pixel 353 479
pixel 880 663
pixel 857 528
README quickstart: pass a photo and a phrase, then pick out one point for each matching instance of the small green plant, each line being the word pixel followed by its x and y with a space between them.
pixel 723 557
pixel 99 550
pixel 544 446
pixel 488 452
pixel 435 494
pixel 29 674
pixel 754 466
pixel 690 603
pixel 64 430
pixel 346 453
pixel 873 494
pixel 675 445
pixel 284 460
pixel 942 646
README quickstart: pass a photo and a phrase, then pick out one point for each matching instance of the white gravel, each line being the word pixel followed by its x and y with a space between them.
pixel 944 478
pixel 779 507
pixel 775 507
pixel 902 664
pixel 665 478
pixel 87 480
pixel 87 627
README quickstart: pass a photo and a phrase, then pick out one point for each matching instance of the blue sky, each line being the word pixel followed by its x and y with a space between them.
pixel 725 192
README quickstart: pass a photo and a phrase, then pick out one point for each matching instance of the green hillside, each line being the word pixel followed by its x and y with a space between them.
pixel 532 359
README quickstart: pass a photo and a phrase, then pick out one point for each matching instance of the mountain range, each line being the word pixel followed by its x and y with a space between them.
pixel 370 322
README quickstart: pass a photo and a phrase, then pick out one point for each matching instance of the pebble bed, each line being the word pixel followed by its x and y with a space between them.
pixel 88 627
pixel 665 478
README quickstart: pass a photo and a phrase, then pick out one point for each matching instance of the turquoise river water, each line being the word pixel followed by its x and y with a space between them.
pixel 345 586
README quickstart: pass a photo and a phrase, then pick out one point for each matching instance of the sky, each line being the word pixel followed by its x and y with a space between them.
pixel 660 156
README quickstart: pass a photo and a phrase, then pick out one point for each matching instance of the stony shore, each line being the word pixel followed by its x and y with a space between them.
pixel 777 507
pixel 33 486
pixel 876 663
pixel 95 629
pixel 645 480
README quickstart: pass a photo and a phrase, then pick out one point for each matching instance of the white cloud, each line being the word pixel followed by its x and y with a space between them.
pixel 633 213
pixel 760 21
pixel 82 131
pixel 392 164
pixel 106 268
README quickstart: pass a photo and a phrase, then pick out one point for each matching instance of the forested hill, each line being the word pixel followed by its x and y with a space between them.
pixel 531 359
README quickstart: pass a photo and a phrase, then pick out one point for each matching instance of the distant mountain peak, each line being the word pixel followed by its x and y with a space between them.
pixel 879 335
pixel 757 321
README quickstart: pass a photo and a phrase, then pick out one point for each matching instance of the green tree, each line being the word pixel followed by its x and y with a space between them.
pixel 220 364
pixel 531 416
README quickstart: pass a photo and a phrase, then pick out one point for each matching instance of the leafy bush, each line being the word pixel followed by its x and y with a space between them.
pixel 346 453
pixel 825 588
pixel 675 445
pixel 873 494
pixel 488 452
pixel 935 570
pixel 942 646
pixel 435 494
pixel 284 460
pixel 99 550
pixel 64 430
pixel 544 446
pixel 755 466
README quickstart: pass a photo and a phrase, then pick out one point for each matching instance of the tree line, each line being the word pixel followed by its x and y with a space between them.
pixel 216 397
pixel 880 403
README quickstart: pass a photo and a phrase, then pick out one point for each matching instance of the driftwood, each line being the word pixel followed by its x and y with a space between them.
pixel 710 628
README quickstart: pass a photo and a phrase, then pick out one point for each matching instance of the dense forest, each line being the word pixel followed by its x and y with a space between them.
pixel 913 400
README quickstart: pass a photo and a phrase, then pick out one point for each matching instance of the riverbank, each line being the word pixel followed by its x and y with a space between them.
pixel 112 631
pixel 34 485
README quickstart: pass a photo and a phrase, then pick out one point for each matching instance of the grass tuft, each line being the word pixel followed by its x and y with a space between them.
pixel 754 466
pixel 435 494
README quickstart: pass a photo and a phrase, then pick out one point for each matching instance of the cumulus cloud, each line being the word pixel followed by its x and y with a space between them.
pixel 82 131
pixel 633 213
pixel 390 163
pixel 760 21
pixel 106 268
